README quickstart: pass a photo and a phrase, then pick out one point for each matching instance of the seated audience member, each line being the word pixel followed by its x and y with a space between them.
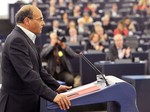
pixel 87 19
pixel 135 11
pixel 121 29
pixel 93 10
pixel 34 2
pixel 65 19
pixel 143 4
pixel 106 23
pixel 115 11
pixel 70 5
pixel 118 50
pixel 147 12
pixel 94 43
pixel 73 37
pixel 87 6
pixel 96 24
pixel 77 11
pixel 72 24
pixel 100 31
pixel 62 3
pixel 128 23
pixel 82 28
pixel 57 55
pixel 55 28
pixel 52 12
pixel 52 2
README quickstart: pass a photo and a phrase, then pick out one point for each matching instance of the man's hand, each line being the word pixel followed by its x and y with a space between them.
pixel 53 42
pixel 62 44
pixel 128 51
pixel 62 101
pixel 63 88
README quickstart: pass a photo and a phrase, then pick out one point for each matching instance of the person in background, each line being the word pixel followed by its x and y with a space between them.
pixel 121 29
pixel 65 19
pixel 70 5
pixel 62 3
pixel 115 11
pixel 52 3
pixel 143 4
pixel 94 43
pixel 135 11
pixel 129 24
pixel 118 50
pixel 100 31
pixel 87 19
pixel 93 10
pixel 57 54
pixel 34 2
pixel 77 11
pixel 72 24
pixel 55 28
pixel 73 37
pixel 81 26
pixel 87 6
pixel 106 23
pixel 24 79
pixel 52 12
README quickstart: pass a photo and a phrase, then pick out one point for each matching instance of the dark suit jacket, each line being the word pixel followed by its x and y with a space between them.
pixel 113 52
pixel 24 80
pixel 138 12
pixel 47 54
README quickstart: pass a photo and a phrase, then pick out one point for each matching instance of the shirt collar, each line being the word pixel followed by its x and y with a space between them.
pixel 31 35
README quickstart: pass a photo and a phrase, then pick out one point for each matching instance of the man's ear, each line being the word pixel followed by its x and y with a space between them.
pixel 26 21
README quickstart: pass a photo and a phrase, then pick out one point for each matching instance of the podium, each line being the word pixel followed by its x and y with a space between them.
pixel 120 96
pixel 142 87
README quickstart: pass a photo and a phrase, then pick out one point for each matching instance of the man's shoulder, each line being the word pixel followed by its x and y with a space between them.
pixel 46 45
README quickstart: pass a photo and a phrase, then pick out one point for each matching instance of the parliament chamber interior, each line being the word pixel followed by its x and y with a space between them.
pixel 75 21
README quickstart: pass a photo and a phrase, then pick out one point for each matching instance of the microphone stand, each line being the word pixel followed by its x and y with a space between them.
pixel 95 69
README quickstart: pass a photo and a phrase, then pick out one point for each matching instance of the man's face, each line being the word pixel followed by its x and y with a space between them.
pixel 118 42
pixel 56 24
pixel 37 22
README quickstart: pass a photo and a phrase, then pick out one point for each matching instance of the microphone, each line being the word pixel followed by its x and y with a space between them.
pixel 91 65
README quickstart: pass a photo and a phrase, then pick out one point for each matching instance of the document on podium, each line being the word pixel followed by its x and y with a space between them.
pixel 83 90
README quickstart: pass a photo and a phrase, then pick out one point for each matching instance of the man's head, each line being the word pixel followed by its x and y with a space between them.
pixel 105 19
pixel 72 32
pixel 55 23
pixel 118 40
pixel 31 18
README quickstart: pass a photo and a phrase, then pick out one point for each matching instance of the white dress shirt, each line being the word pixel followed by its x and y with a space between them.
pixel 31 35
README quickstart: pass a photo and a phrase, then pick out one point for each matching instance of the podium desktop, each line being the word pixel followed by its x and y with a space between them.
pixel 120 94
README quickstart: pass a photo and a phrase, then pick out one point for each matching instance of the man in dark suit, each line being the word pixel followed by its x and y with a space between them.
pixel 118 50
pixel 57 54
pixel 24 80
pixel 135 11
